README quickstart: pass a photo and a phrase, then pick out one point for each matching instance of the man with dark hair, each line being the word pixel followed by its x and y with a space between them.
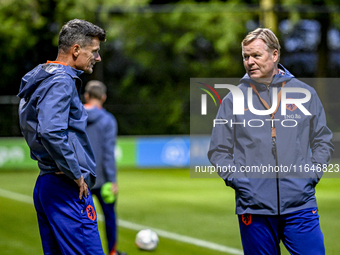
pixel 277 203
pixel 102 131
pixel 53 122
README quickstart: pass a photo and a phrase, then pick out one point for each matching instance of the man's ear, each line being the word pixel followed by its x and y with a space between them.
pixel 275 56
pixel 103 99
pixel 86 97
pixel 75 50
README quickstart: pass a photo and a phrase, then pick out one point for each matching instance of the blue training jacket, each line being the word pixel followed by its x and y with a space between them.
pixel 102 131
pixel 243 152
pixel 53 121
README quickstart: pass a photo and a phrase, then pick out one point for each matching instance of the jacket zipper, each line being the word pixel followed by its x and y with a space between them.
pixel 276 159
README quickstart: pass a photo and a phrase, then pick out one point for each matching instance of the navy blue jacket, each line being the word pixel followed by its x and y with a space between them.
pixel 102 131
pixel 53 121
pixel 245 148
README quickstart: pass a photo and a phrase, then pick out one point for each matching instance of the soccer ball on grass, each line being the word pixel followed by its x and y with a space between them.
pixel 146 239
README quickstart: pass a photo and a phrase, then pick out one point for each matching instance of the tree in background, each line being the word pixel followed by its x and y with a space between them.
pixel 165 47
pixel 326 13
pixel 149 57
pixel 151 53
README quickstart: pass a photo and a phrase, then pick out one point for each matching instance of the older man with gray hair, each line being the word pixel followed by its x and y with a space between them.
pixel 278 204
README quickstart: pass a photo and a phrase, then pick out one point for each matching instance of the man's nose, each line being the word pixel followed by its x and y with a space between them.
pixel 97 58
pixel 250 61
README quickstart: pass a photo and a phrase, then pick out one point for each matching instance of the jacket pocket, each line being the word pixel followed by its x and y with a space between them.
pixel 244 196
pixel 78 150
pixel 297 192
pixel 313 173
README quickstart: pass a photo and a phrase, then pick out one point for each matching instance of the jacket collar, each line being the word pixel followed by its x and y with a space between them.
pixel 283 75
pixel 52 65
pixel 56 66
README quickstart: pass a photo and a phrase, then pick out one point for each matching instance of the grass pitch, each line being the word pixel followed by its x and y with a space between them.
pixel 164 199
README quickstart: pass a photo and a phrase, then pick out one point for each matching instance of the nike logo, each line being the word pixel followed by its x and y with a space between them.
pixel 314 211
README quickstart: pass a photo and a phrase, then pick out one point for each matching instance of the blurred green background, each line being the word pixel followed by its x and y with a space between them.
pixel 154 47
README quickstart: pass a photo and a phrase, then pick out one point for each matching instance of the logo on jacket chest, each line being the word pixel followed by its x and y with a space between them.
pixel 291 107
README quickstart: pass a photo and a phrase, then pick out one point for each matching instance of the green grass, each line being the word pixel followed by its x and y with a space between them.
pixel 165 199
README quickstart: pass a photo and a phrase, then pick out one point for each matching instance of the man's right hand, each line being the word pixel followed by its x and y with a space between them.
pixel 84 190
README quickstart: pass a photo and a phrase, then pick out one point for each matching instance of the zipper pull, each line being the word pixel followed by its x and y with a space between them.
pixel 274 146
pixel 273 132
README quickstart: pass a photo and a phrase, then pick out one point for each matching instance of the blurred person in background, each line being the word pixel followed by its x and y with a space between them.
pixel 275 205
pixel 53 122
pixel 102 131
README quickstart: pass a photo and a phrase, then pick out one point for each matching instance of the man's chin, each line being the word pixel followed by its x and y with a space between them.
pixel 254 77
pixel 88 71
pixel 258 79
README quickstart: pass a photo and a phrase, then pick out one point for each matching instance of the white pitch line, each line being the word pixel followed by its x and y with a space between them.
pixel 137 227
pixel 182 238
pixel 16 196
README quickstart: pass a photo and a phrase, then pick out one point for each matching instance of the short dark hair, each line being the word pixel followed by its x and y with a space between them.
pixel 95 89
pixel 79 31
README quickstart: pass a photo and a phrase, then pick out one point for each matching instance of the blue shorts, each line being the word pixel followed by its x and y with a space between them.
pixel 299 231
pixel 67 224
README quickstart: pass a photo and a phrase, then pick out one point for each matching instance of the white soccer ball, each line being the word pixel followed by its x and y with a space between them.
pixel 146 239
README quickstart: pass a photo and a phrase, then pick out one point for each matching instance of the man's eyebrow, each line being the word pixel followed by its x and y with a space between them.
pixel 251 53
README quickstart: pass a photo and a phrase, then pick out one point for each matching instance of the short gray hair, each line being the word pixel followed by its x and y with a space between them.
pixel 79 31
pixel 265 35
